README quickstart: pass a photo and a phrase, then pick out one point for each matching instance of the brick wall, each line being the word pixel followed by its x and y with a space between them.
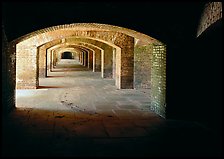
pixel 142 66
pixel 8 74
pixel 212 12
pixel 158 80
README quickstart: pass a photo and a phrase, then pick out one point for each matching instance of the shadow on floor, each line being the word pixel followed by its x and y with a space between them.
pixel 54 76
pixel 31 132
pixel 45 87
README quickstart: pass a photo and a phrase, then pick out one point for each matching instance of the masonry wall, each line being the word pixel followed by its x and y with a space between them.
pixel 42 57
pixel 108 62
pixel 127 62
pixel 90 60
pixel 142 66
pixel 158 80
pixel 4 72
pixel 212 12
pixel 26 66
pixel 8 74
pixel 97 61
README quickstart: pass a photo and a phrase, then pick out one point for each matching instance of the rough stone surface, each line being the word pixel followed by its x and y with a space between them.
pixel 212 12
pixel 142 66
pixel 42 57
pixel 8 78
pixel 142 38
pixel 158 80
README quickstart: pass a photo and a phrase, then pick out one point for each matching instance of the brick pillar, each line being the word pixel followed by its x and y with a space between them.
pixel 54 59
pixel 83 58
pixel 114 63
pixel 26 77
pixel 90 60
pixel 42 62
pixel 102 63
pixel 158 80
pixel 125 64
pixel 51 60
pixel 48 60
pixel 97 61
pixel 86 58
pixel 107 63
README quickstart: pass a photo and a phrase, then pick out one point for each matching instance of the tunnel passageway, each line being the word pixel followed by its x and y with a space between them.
pixel 73 88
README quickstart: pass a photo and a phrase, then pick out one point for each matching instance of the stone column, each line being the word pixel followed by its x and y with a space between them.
pixel 51 60
pixel 26 77
pixel 158 80
pixel 86 58
pixel 81 58
pixel 126 63
pixel 107 62
pixel 42 62
pixel 90 60
pixel 97 61
pixel 114 63
pixel 48 60
pixel 54 59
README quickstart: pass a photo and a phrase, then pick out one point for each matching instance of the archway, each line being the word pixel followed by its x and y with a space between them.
pixel 67 55
pixel 135 49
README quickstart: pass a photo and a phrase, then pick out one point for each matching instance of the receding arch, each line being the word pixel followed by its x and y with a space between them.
pixel 127 49
pixel 52 55
pixel 107 72
pixel 125 39
pixel 106 54
pixel 92 50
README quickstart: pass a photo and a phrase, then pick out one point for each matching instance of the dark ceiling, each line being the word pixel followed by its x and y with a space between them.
pixel 165 21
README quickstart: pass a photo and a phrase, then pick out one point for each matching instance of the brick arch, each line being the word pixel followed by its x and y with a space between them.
pixel 106 72
pixel 212 12
pixel 107 57
pixel 42 65
pixel 43 54
pixel 67 49
pixel 26 51
pixel 91 51
pixel 59 51
pixel 141 38
pixel 55 56
pixel 74 39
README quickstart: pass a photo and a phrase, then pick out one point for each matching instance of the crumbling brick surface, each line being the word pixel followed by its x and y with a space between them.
pixel 212 12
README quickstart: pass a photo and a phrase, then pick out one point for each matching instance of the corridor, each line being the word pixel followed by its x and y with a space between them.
pixel 75 112
pixel 73 87
pixel 111 79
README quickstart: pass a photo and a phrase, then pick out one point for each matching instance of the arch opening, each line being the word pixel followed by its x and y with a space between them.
pixel 67 55
pixel 137 61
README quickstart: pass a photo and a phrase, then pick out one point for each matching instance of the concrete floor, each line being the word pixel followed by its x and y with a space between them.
pixel 77 113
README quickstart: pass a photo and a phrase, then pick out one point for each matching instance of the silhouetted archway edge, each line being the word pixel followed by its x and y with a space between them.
pixel 141 38
pixel 141 42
